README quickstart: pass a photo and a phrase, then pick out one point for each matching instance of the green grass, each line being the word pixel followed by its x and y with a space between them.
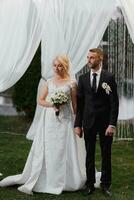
pixel 15 124
pixel 14 149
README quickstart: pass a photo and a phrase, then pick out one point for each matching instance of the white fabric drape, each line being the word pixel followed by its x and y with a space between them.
pixel 20 35
pixel 73 27
pixel 127 8
pixel 70 27
pixel 126 106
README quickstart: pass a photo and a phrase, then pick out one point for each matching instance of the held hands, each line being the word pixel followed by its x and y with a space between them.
pixel 78 131
pixel 110 131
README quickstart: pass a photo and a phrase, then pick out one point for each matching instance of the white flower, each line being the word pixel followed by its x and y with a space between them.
pixel 106 87
pixel 59 98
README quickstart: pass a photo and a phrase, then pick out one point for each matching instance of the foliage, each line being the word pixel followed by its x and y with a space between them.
pixel 14 124
pixel 25 91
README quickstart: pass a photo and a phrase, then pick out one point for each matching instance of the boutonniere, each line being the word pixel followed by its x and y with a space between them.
pixel 106 87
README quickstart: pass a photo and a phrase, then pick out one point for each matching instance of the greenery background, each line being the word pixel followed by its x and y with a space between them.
pixel 25 91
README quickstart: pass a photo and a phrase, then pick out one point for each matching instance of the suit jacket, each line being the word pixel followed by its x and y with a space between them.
pixel 102 105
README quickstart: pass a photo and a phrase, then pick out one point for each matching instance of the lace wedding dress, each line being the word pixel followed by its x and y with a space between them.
pixel 54 164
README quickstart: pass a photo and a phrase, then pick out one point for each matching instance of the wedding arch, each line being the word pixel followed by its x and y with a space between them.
pixel 70 27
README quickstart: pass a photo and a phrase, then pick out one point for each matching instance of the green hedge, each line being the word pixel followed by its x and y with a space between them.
pixel 25 90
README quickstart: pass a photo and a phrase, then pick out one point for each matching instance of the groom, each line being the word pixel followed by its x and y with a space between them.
pixel 97 112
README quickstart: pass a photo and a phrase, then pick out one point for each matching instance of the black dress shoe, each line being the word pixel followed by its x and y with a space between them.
pixel 106 191
pixel 89 190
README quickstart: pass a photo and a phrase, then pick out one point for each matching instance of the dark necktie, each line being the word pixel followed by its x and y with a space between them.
pixel 94 87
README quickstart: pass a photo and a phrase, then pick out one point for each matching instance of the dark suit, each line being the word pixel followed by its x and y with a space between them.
pixel 95 111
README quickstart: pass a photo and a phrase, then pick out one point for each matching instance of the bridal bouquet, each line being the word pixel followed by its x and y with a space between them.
pixel 59 98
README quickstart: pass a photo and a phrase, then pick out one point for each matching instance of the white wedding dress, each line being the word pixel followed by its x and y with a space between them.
pixel 53 164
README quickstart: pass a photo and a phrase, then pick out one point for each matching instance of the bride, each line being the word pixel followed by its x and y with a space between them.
pixel 53 164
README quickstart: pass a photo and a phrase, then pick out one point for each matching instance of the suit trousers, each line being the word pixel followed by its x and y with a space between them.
pixel 105 146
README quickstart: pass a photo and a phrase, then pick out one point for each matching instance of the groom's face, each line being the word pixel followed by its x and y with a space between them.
pixel 94 60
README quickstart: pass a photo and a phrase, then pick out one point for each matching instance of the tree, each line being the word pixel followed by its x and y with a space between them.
pixel 25 91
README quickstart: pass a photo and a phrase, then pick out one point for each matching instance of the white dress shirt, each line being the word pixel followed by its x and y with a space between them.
pixel 97 77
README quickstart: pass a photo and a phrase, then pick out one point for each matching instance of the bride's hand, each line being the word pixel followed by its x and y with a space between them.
pixel 55 108
pixel 78 131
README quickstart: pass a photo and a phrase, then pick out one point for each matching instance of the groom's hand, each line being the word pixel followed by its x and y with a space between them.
pixel 110 131
pixel 78 131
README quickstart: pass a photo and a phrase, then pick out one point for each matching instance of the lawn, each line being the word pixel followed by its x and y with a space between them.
pixel 14 149
pixel 15 124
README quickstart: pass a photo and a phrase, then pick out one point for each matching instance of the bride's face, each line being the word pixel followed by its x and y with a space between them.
pixel 57 67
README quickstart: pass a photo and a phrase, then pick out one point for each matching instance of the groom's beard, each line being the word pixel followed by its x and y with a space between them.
pixel 93 66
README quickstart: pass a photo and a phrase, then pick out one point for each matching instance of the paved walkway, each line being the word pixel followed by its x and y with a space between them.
pixel 6 107
pixel 7 110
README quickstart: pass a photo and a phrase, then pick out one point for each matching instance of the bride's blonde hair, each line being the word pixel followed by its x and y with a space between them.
pixel 65 63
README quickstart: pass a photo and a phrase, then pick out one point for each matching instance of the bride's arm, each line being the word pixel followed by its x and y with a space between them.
pixel 42 98
pixel 74 96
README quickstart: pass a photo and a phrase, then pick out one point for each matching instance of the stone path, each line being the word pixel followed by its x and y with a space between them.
pixel 6 107
pixel 7 110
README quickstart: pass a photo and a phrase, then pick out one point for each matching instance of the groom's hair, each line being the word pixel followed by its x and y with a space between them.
pixel 98 51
